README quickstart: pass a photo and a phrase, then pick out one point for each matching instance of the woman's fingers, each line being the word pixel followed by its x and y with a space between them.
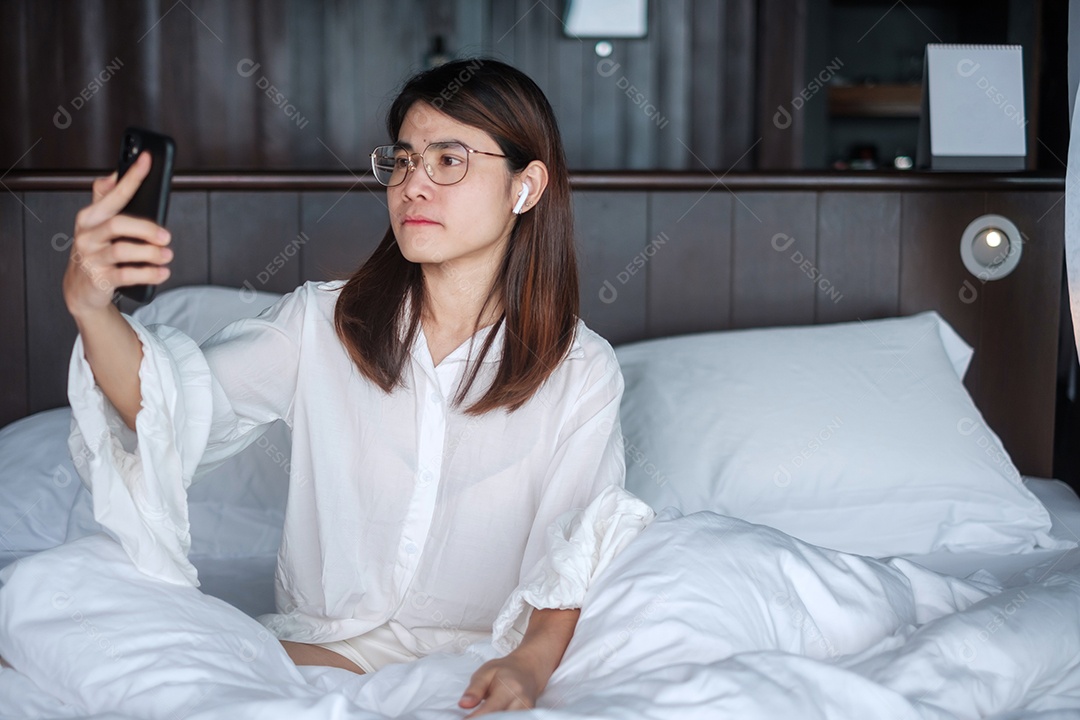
pixel 90 281
pixel 121 226
pixel 500 684
pixel 123 251
pixel 124 263
pixel 112 250
pixel 145 275
pixel 109 277
pixel 103 185
pixel 115 198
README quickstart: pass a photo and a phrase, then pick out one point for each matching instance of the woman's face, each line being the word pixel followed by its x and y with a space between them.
pixel 466 224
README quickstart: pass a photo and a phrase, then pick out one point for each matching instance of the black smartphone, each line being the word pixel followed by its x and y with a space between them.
pixel 151 200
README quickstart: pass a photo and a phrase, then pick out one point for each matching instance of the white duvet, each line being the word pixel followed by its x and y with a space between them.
pixel 702 616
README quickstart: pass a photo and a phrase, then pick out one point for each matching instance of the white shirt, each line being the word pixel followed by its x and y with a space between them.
pixel 402 510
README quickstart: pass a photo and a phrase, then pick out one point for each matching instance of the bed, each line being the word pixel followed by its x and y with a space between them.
pixel 839 534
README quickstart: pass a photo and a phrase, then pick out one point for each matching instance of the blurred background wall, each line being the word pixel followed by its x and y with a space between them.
pixel 304 84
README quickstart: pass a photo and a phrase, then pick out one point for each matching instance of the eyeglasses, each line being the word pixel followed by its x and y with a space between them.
pixel 445 162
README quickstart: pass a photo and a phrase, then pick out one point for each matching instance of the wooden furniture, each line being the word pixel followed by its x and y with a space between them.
pixel 278 84
pixel 661 254
pixel 891 100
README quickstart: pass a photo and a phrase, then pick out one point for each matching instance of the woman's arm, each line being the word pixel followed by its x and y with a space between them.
pixel 515 681
pixel 96 268
pixel 114 352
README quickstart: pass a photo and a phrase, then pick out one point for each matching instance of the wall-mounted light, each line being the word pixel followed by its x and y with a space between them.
pixel 991 247
pixel 606 18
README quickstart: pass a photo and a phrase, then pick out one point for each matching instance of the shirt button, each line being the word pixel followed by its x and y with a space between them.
pixel 426 476
pixel 435 398
pixel 410 548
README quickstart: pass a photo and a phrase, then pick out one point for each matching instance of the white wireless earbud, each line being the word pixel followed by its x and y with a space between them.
pixel 521 198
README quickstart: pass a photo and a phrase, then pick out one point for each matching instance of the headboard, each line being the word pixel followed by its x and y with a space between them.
pixel 660 253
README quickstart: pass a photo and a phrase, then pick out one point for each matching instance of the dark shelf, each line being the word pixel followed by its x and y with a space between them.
pixel 893 100
pixel 643 180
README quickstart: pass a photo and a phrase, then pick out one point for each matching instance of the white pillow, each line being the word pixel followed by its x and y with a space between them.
pixel 856 436
pixel 38 483
pixel 237 509
pixel 199 311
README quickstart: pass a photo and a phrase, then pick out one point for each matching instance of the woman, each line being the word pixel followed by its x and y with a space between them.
pixel 446 403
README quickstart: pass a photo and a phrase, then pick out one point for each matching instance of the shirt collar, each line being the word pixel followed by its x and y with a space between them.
pixel 469 348
pixel 461 353
pixel 494 353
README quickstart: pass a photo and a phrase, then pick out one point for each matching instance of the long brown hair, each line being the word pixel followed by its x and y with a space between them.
pixel 378 311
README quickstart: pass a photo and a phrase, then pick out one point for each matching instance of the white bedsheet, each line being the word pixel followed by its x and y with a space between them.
pixel 701 616
pixel 1022 568
pixel 247 582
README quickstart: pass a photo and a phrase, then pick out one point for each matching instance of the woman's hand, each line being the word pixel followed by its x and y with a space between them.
pixel 507 683
pixel 92 274
pixel 515 681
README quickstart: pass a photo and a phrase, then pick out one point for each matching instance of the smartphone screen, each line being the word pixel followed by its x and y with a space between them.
pixel 151 200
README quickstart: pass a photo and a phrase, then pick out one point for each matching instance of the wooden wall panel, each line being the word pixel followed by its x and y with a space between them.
pixel 15 81
pixel 255 240
pixel 332 67
pixel 391 49
pixel 931 278
pixel 707 33
pixel 740 76
pixel 611 229
pixel 1012 391
pixel 189 224
pixel 342 231
pixel 505 17
pixel 13 397
pixel 775 241
pixel 183 83
pixel 343 111
pixel 535 37
pixel 689 268
pixel 602 134
pixel 51 330
pixel 293 42
pixel 646 124
pixel 567 96
pixel 858 256
pixel 221 39
pixel 471 23
pixel 672 92
pixel 726 261
pixel 782 61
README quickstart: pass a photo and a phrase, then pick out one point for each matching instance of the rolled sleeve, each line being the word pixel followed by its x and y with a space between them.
pixel 139 479
pixel 581 545
pixel 586 517
pixel 199 406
